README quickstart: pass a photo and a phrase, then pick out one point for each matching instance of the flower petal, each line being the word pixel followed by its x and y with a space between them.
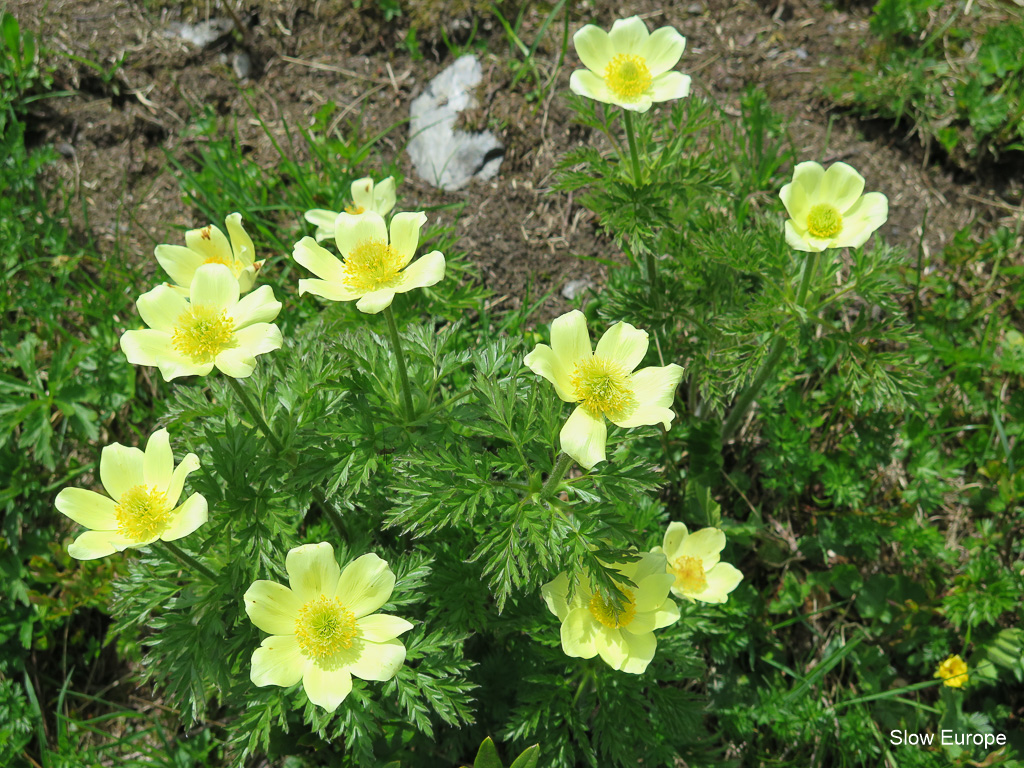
pixel 384 196
pixel 860 222
pixel 583 437
pixel 158 460
pixel 380 627
pixel 798 240
pixel 669 85
pixel 210 243
pixel 657 385
pixel 580 634
pixel 594 48
pixel 91 545
pixel 624 344
pixel 652 590
pixel 841 186
pixel 639 652
pixel 260 306
pixel 318 260
pixel 794 197
pixel 583 82
pixel 570 340
pixel 543 361
pixel 629 35
pixel 376 301
pixel 554 593
pixel 809 175
pixel 674 537
pixel 326 689
pixel 121 468
pixel 278 661
pixel 663 50
pixel 405 234
pixel 350 231
pixel 365 585
pixel 178 262
pixel 362 193
pixel 312 570
pixel 428 270
pixel 706 544
pixel 241 244
pixel 148 347
pixel 326 290
pixel 88 508
pixel 272 607
pixel 188 465
pixel 612 647
pixel 187 517
pixel 378 661
pixel 215 286
pixel 161 307
pixel 722 579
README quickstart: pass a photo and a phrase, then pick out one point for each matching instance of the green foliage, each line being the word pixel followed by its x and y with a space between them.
pixel 955 76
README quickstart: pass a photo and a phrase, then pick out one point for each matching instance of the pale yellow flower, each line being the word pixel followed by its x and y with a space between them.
pixel 694 561
pixel 366 196
pixel 603 383
pixel 214 328
pixel 953 672
pixel 374 269
pixel 209 246
pixel 323 629
pixel 629 66
pixel 828 210
pixel 143 504
pixel 623 636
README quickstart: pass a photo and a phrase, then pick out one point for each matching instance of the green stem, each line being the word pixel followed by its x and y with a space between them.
pixel 561 466
pixel 190 562
pixel 331 512
pixel 627 117
pixel 739 410
pixel 652 276
pixel 810 267
pixel 396 344
pixel 588 673
pixel 255 412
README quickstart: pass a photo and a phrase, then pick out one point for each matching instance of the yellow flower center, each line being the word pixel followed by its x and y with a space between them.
pixel 690 576
pixel 953 672
pixel 608 614
pixel 142 512
pixel 628 76
pixel 354 209
pixel 202 333
pixel 324 627
pixel 824 221
pixel 372 265
pixel 603 387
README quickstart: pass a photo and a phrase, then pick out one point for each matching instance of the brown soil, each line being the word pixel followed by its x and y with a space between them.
pixel 114 134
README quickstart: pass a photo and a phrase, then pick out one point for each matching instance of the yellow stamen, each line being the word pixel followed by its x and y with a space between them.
pixel 354 209
pixel 606 612
pixel 372 265
pixel 690 576
pixel 323 628
pixel 628 76
pixel 824 221
pixel 603 387
pixel 142 512
pixel 201 333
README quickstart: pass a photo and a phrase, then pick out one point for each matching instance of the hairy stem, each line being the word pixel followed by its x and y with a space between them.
pixel 396 344
pixel 561 466
pixel 189 562
pixel 255 412
pixel 627 117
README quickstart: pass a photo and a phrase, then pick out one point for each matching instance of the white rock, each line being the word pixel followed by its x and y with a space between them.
pixel 441 155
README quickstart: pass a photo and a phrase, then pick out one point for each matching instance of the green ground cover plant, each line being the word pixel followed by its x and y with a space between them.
pixel 952 71
pixel 821 400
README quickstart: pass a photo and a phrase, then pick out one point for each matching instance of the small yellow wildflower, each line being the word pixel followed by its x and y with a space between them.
pixel 828 210
pixel 953 672
pixel 143 504
pixel 695 565
pixel 209 246
pixel 323 629
pixel 629 66
pixel 366 196
pixel 215 328
pixel 603 383
pixel 623 635
pixel 374 269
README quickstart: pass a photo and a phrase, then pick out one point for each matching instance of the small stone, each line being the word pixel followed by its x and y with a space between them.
pixel 242 65
pixel 202 35
pixel 574 288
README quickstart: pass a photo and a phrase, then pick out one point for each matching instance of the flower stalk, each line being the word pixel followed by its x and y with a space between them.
pixel 190 562
pixel 396 345
pixel 555 478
